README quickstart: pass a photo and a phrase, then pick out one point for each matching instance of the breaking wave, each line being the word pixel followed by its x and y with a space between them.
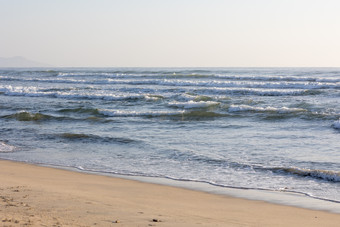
pixel 5 148
pixel 172 115
pixel 194 104
pixel 336 124
pixel 326 175
pixel 281 110
pixel 318 174
pixel 125 113
pixel 35 92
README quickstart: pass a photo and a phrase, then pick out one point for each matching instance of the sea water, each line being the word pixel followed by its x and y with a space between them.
pixel 274 129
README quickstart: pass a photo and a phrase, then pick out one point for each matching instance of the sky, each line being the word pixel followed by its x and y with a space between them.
pixel 172 33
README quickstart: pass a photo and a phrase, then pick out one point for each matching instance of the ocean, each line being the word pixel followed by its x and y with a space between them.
pixel 272 129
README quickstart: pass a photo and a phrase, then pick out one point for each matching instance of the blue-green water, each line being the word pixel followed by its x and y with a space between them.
pixel 263 128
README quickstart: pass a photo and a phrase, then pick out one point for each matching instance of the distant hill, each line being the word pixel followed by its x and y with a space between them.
pixel 20 62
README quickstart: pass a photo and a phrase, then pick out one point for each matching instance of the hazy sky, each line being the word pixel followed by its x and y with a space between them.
pixel 172 32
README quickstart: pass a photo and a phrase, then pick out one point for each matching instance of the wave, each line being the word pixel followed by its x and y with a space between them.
pixel 318 174
pixel 242 82
pixel 125 113
pixel 253 74
pixel 26 116
pixel 182 115
pixel 276 113
pixel 140 73
pixel 101 114
pixel 281 78
pixel 137 94
pixel 92 111
pixel 198 115
pixel 257 91
pixel 35 92
pixel 327 175
pixel 202 98
pixel 76 137
pixel 246 84
pixel 191 111
pixel 39 117
pixel 194 104
pixel 5 148
pixel 154 97
pixel 280 110
pixel 336 124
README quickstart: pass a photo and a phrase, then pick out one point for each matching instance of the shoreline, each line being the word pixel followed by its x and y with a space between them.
pixel 279 197
pixel 37 195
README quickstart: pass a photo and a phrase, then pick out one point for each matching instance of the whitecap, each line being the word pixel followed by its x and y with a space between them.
pixel 124 113
pixel 336 124
pixel 80 168
pixel 193 104
pixel 5 148
pixel 245 108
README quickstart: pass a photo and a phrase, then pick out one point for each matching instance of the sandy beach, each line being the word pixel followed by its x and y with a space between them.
pixel 41 196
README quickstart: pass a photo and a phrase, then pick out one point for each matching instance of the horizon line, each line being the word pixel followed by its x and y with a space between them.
pixel 23 67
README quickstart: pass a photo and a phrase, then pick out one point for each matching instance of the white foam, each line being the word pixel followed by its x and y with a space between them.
pixel 239 84
pixel 168 74
pixel 193 104
pixel 109 95
pixel 244 108
pixel 5 148
pixel 247 82
pixel 19 90
pixel 34 92
pixel 255 91
pixel 125 113
pixel 336 124
pixel 91 74
pixel 80 168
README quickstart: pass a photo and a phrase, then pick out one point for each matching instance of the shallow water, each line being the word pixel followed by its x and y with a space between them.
pixel 261 128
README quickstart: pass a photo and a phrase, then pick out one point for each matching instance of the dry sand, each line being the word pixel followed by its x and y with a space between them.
pixel 40 196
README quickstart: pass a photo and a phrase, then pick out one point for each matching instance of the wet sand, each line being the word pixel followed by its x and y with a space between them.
pixel 41 196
